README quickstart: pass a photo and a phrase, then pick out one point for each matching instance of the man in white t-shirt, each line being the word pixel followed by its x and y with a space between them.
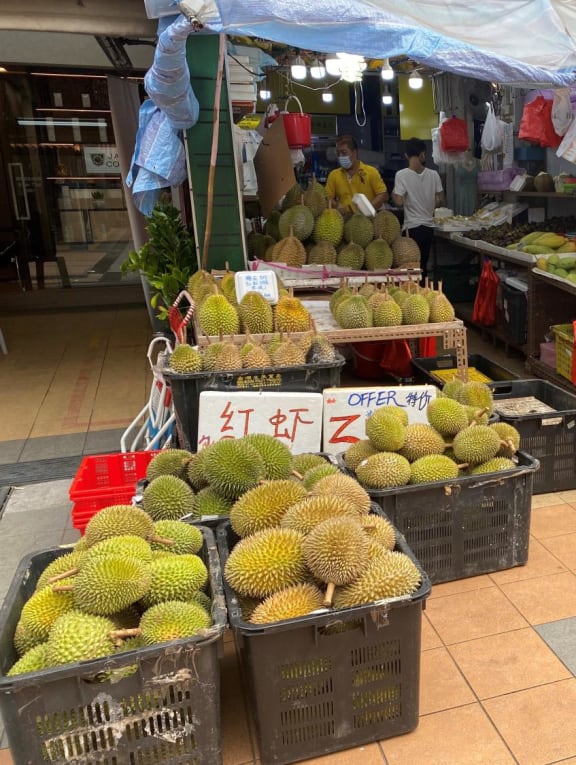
pixel 418 190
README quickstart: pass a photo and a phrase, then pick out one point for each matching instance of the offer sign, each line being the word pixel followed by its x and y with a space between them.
pixel 346 410
pixel 295 419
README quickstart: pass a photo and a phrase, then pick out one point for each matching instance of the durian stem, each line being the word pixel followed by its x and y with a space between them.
pixel 329 596
pixel 63 588
pixel 118 636
pixel 477 415
pixel 160 540
pixel 63 575
pixel 463 466
pixel 296 474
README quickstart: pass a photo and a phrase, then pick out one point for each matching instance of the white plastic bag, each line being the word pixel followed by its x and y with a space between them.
pixel 561 111
pixel 567 148
pixel 492 132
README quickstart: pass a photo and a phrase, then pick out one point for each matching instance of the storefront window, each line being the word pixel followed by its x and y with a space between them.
pixel 66 201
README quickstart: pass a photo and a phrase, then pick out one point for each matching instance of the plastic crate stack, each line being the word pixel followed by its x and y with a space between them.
pixel 105 479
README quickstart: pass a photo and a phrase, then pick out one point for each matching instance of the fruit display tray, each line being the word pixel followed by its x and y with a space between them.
pixel 158 705
pixel 469 526
pixel 333 679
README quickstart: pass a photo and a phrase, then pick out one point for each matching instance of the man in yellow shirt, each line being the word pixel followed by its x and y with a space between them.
pixel 354 177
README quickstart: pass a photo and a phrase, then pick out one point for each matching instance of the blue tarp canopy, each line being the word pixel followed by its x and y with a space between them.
pixel 507 41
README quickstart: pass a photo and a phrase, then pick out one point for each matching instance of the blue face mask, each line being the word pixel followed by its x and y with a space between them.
pixel 345 162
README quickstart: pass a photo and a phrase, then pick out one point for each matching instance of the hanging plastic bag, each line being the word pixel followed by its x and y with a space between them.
pixel 454 135
pixel 492 132
pixel 484 311
pixel 438 156
pixel 536 124
pixel 567 148
pixel 561 111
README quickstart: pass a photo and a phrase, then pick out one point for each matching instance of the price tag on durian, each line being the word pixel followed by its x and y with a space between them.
pixel 264 282
pixel 346 410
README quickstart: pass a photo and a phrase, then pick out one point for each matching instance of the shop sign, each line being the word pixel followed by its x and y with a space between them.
pixel 103 160
pixel 295 419
pixel 346 410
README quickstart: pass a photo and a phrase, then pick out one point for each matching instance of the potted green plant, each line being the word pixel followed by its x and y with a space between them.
pixel 167 260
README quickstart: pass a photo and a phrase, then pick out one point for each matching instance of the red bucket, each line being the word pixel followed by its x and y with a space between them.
pixel 366 357
pixel 298 126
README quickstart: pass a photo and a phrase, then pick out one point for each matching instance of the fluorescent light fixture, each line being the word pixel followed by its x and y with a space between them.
pixel 387 96
pixel 298 68
pixel 415 80
pixel 327 98
pixel 27 122
pixel 265 95
pixel 3 70
pixel 317 70
pixel 387 73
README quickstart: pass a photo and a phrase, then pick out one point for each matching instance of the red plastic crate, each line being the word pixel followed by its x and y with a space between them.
pixel 105 479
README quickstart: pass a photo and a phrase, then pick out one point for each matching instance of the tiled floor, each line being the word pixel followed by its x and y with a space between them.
pixel 498 657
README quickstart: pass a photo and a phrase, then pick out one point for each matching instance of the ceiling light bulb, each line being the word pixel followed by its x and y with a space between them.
pixel 415 80
pixel 327 98
pixel 333 66
pixel 387 96
pixel 298 68
pixel 317 70
pixel 265 95
pixel 387 73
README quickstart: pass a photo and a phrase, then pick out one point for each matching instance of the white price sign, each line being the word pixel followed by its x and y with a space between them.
pixel 346 410
pixel 103 160
pixel 295 419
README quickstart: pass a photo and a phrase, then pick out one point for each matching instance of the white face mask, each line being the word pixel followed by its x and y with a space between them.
pixel 345 162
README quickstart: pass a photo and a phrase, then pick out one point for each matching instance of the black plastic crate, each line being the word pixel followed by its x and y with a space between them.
pixel 430 369
pixel 313 691
pixel 166 710
pixel 459 280
pixel 465 527
pixel 551 437
pixel 186 388
pixel 513 314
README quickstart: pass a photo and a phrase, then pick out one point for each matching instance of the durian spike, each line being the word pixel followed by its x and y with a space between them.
pixel 329 595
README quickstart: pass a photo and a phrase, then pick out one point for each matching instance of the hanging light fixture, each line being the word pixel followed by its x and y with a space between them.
pixel 327 98
pixel 387 97
pixel 387 73
pixel 333 66
pixel 317 70
pixel 415 80
pixel 265 95
pixel 346 65
pixel 298 68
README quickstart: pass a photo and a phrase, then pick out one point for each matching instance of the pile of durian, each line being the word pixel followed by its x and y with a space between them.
pixel 457 441
pixel 292 338
pixel 308 230
pixel 128 583
pixel 183 485
pixel 302 550
pixel 280 351
pixel 390 305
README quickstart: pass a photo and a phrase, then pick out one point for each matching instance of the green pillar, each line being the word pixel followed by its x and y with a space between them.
pixel 227 232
